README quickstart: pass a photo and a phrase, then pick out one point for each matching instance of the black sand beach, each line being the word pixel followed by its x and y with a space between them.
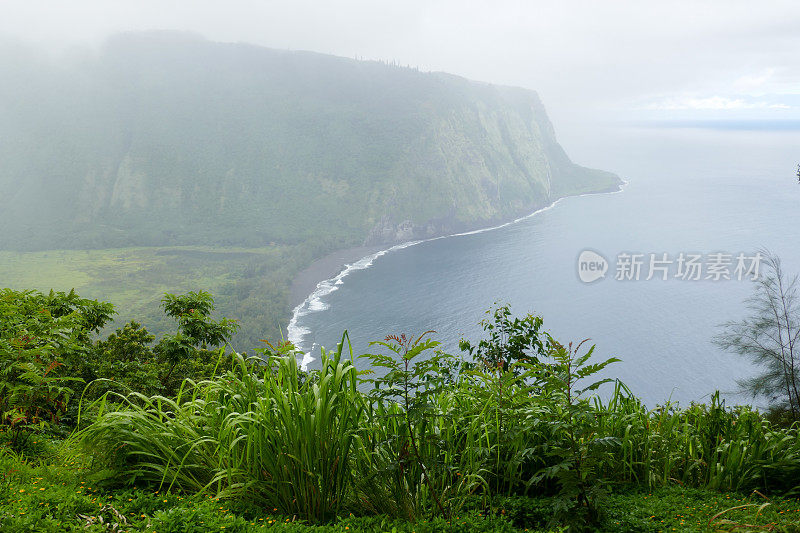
pixel 325 268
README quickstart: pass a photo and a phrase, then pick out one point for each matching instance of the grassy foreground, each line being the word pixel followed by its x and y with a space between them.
pixel 53 489
pixel 117 435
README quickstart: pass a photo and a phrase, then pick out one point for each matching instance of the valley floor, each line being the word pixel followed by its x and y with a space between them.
pixel 249 284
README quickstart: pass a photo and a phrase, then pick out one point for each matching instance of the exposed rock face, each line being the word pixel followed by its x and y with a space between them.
pixel 386 232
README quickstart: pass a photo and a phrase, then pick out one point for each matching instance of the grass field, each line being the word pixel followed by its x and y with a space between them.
pixel 249 284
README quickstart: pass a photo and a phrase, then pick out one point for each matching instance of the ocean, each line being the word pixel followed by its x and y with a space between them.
pixel 714 193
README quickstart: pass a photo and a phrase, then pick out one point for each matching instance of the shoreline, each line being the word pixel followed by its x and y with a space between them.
pixel 336 265
pixel 326 267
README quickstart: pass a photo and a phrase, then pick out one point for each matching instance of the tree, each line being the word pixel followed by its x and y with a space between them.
pixel 44 343
pixel 127 361
pixel 770 336
pixel 511 340
pixel 195 330
pixel 124 361
pixel 192 311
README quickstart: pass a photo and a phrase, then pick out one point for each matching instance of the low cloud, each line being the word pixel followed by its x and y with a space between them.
pixel 754 82
pixel 712 103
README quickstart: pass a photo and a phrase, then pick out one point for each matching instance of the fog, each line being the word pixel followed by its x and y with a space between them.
pixel 139 156
pixel 592 62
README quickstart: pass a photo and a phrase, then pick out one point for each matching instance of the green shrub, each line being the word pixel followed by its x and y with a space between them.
pixel 436 442
pixel 43 340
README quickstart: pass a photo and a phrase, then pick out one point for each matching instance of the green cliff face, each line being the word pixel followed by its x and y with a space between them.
pixel 167 139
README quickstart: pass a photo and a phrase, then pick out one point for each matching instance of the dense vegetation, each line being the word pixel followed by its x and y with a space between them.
pixel 508 436
pixel 162 162
pixel 167 139
pixel 250 284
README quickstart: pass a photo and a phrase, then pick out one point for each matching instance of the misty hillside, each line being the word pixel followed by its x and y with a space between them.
pixel 168 139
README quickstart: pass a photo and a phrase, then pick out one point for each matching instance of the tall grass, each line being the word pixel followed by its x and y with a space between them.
pixel 261 432
pixel 315 445
pixel 295 440
pixel 710 446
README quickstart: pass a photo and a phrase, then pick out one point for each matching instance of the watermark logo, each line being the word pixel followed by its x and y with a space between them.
pixel 717 266
pixel 591 266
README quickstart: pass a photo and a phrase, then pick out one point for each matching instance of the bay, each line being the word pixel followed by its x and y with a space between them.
pixel 689 190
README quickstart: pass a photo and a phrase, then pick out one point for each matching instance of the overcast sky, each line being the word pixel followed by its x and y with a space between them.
pixel 598 59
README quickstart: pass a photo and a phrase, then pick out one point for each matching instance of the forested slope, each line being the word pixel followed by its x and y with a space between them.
pixel 167 139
